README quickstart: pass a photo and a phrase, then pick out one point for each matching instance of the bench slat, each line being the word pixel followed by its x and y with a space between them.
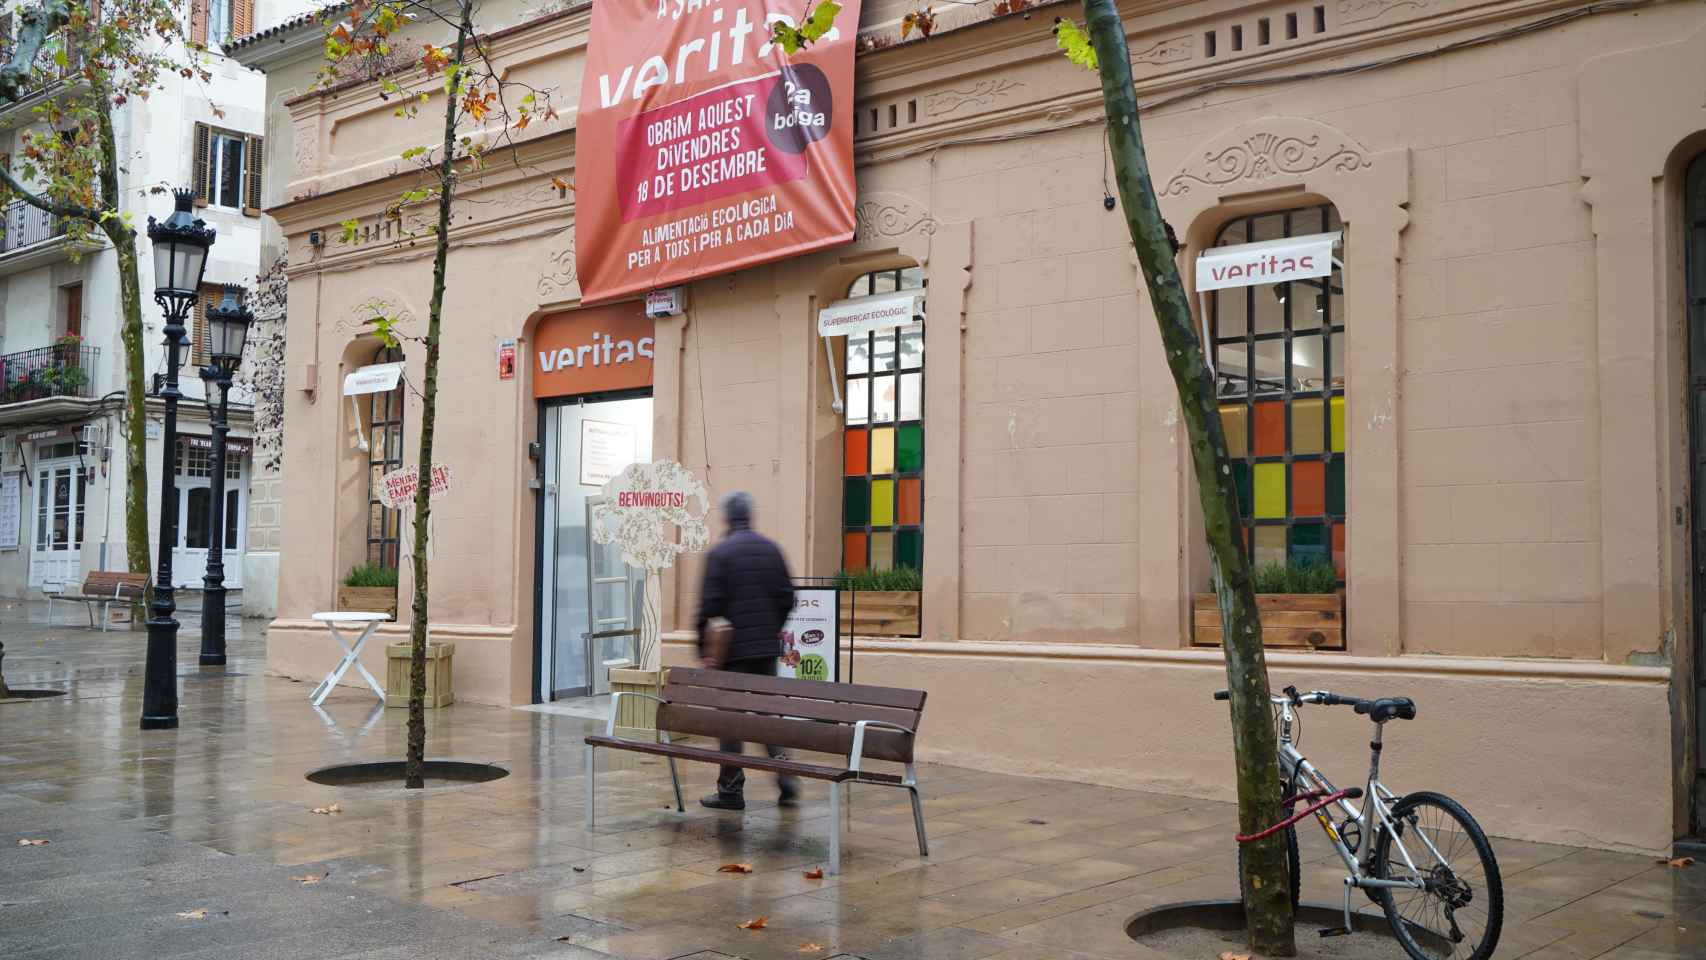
pixel 836 738
pixel 792 706
pixel 896 697
pixel 811 771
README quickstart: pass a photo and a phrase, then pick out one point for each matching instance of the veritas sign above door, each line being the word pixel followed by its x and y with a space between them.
pixel 700 149
pixel 592 350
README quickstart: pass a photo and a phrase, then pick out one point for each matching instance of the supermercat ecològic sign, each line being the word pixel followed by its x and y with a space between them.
pixel 702 147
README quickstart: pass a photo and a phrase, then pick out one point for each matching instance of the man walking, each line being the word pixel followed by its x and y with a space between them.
pixel 747 584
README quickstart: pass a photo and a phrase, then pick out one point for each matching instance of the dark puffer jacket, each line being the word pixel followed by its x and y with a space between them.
pixel 747 584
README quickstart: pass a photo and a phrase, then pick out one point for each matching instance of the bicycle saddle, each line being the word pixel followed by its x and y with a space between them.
pixel 1388 708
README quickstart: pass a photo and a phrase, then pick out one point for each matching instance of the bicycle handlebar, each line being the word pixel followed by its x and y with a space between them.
pixel 1292 696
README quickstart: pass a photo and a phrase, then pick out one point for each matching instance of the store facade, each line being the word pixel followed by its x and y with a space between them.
pixel 1477 413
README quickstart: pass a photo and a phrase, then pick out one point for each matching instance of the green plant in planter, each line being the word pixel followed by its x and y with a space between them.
pixel 898 580
pixel 1296 578
pixel 371 575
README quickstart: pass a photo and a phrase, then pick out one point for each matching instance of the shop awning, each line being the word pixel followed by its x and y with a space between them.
pixel 865 314
pixel 1266 261
pixel 374 378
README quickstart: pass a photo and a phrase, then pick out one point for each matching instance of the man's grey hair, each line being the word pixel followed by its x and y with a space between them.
pixel 737 507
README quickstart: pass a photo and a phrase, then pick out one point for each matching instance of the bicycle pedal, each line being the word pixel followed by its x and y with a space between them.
pixel 1335 932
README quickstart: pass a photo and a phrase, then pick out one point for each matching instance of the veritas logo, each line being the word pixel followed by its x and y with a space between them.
pixel 602 351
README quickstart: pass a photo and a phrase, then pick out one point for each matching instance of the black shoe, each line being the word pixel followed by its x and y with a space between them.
pixel 717 801
pixel 789 799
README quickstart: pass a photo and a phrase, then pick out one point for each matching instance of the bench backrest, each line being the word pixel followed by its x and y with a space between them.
pixel 797 714
pixel 114 583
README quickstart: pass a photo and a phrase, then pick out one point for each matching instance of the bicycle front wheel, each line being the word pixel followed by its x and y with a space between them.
pixel 1457 912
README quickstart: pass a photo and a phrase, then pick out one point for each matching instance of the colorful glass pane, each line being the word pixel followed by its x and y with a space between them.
pixel 1308 488
pixel 909 508
pixel 1308 544
pixel 882 551
pixel 856 457
pixel 1269 429
pixel 909 549
pixel 1308 431
pixel 855 501
pixel 853 551
pixel 1338 408
pixel 909 449
pixel 912 346
pixel 1270 545
pixel 859 353
pixel 1339 549
pixel 1241 479
pixel 912 396
pixel 1233 420
pixel 1270 491
pixel 882 503
pixel 1336 487
pixel 882 450
pixel 882 399
pixel 858 400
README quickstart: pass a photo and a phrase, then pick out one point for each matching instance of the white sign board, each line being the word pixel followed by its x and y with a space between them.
pixel 862 315
pixel 375 378
pixel 668 302
pixel 1267 261
pixel 606 449
pixel 398 487
pixel 11 509
pixel 811 641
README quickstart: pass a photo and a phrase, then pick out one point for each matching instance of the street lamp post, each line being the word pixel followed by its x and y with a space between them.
pixel 228 325
pixel 180 256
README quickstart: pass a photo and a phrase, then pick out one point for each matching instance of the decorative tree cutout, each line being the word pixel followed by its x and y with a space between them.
pixel 649 511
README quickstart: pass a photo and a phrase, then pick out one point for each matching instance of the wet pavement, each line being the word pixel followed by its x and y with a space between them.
pixel 196 842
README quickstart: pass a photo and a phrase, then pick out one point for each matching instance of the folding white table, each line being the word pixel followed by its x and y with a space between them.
pixel 352 654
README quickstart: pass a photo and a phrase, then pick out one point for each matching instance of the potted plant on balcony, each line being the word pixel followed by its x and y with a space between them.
pixel 887 604
pixel 369 588
pixel 1300 605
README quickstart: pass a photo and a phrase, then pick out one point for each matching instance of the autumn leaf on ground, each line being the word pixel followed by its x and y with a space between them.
pixel 199 913
pixel 1678 863
pixel 756 923
pixel 327 811
pixel 735 868
pixel 811 948
pixel 816 874
pixel 309 878
pixel 1229 955
pixel 24 842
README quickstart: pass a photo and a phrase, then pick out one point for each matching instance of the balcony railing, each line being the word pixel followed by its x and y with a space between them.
pixel 62 370
pixel 26 225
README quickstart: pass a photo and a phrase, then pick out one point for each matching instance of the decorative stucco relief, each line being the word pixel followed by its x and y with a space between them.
pixel 1355 11
pixel 389 305
pixel 1279 147
pixel 1164 52
pixel 558 280
pixel 981 93
pixel 304 152
pixel 888 215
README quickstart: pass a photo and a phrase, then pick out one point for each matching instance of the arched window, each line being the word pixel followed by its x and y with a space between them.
pixel 1279 360
pixel 384 454
pixel 882 502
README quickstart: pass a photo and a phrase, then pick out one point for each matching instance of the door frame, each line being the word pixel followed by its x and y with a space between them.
pixel 544 556
pixel 1694 383
pixel 43 496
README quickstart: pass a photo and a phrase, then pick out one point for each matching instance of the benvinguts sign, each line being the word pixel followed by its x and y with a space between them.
pixel 701 149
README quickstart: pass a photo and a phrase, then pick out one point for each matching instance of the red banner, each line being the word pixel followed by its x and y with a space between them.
pixel 702 148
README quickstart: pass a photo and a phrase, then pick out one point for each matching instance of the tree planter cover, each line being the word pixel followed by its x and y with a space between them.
pixel 368 600
pixel 880 613
pixel 1306 621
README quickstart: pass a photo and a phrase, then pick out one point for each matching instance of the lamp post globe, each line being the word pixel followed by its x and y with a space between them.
pixel 228 328
pixel 180 255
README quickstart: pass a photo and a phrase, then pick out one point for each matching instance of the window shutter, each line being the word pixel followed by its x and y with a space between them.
pixel 242 18
pixel 203 172
pixel 201 337
pixel 252 176
pixel 198 21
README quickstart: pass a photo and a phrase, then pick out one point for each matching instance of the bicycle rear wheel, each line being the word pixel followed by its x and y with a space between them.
pixel 1459 913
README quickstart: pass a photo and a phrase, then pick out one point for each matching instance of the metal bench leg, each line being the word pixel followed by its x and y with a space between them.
pixel 106 615
pixel 675 779
pixel 50 610
pixel 89 608
pixel 591 762
pixel 834 866
pixel 911 785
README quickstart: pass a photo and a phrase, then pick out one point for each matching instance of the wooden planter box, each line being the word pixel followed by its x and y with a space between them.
pixel 1303 621
pixel 438 691
pixel 368 600
pixel 637 717
pixel 880 613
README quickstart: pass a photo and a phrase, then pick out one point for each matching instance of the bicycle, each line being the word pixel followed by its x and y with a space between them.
pixel 1428 907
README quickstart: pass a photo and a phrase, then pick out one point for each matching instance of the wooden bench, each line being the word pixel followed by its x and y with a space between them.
pixel 101 588
pixel 855 721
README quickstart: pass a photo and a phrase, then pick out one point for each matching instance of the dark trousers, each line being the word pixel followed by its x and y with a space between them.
pixel 731 781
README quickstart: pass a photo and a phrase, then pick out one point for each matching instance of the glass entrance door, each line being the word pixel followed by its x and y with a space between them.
pixel 60 489
pixel 586 589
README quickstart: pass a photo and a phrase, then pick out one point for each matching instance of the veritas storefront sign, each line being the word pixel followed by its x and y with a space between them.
pixel 592 350
pixel 700 150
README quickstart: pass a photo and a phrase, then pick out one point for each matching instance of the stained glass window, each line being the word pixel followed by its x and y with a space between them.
pixel 1280 372
pixel 384 454
pixel 882 499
